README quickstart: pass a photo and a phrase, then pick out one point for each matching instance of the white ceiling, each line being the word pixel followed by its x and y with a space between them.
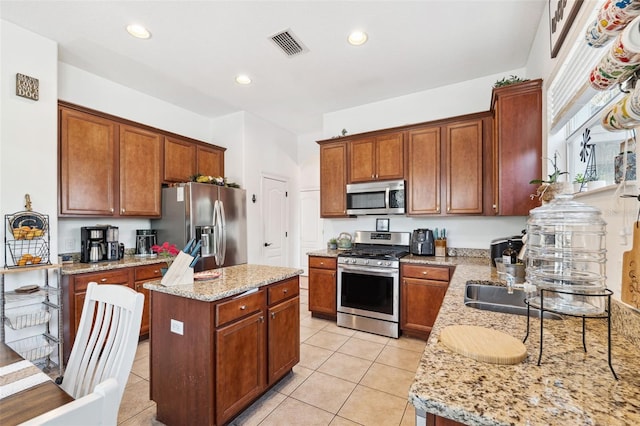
pixel 197 48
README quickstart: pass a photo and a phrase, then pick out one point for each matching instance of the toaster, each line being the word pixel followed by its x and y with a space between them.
pixel 500 244
pixel 422 242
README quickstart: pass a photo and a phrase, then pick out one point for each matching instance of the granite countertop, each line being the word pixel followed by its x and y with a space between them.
pixel 126 262
pixel 570 387
pixel 232 281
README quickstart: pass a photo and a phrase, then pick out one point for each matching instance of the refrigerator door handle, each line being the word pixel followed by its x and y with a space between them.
pixel 216 233
pixel 223 234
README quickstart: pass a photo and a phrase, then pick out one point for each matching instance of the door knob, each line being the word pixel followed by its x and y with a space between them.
pixel 267 244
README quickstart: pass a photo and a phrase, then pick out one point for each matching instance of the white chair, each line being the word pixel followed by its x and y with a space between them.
pixel 99 408
pixel 106 342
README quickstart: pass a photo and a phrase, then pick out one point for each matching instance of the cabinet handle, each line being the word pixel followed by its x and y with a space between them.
pixel 273 315
pixel 103 280
pixel 285 291
pixel 243 307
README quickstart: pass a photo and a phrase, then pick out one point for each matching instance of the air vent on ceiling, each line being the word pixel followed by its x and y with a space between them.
pixel 288 42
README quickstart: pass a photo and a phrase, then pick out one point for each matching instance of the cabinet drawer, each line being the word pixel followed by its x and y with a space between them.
pixel 149 272
pixel 237 308
pixel 426 272
pixel 283 290
pixel 323 262
pixel 116 276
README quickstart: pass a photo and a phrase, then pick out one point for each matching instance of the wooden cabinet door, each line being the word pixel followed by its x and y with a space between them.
pixel 423 182
pixel 390 157
pixel 517 147
pixel 140 179
pixel 362 160
pixel 322 291
pixel 87 164
pixel 333 179
pixel 240 362
pixel 464 167
pixel 179 160
pixel 284 338
pixel 209 161
pixel 421 301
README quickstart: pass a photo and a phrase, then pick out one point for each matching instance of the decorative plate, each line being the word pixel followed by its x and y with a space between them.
pixel 31 219
pixel 206 275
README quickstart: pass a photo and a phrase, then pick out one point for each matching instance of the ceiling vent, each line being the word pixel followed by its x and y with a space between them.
pixel 289 43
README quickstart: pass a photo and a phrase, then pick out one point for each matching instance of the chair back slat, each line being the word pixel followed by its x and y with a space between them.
pixel 106 341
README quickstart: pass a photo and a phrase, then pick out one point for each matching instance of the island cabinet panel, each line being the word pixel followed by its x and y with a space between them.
pixel 433 420
pixel 333 179
pixel 179 160
pixel 182 365
pixel 517 147
pixel 423 171
pixel 209 161
pixel 227 355
pixel 88 154
pixel 283 329
pixel 422 291
pixel 464 183
pixel 140 174
pixel 323 286
pixel 240 363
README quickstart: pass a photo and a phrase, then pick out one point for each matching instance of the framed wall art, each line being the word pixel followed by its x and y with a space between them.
pixel 27 87
pixel 562 13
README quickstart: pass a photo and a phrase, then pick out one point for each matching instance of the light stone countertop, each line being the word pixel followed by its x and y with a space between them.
pixel 570 387
pixel 232 281
pixel 126 262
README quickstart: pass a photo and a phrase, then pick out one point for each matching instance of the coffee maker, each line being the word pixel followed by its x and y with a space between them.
pixel 145 239
pixel 98 243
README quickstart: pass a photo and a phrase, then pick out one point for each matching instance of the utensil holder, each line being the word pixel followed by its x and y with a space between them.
pixel 441 247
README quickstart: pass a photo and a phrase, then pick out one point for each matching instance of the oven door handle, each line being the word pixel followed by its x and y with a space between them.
pixel 377 271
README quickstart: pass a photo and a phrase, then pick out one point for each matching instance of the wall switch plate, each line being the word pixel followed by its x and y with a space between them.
pixel 177 327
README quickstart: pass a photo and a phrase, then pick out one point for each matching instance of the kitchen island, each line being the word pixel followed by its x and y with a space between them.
pixel 570 387
pixel 218 345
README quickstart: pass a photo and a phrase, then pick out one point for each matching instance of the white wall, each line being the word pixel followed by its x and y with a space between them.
pixel 28 130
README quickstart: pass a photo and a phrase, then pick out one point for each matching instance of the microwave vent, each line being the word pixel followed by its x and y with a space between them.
pixel 289 43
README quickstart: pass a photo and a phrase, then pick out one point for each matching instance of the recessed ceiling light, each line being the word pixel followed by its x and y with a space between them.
pixel 243 79
pixel 357 38
pixel 138 31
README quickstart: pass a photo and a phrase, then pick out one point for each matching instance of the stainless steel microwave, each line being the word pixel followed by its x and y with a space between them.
pixel 383 198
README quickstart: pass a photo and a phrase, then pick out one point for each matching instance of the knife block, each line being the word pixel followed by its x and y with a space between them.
pixel 180 272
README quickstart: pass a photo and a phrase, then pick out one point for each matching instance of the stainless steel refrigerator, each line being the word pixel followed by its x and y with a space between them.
pixel 214 215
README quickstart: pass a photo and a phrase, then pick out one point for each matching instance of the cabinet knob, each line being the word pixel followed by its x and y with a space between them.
pixel 285 291
pixel 373 176
pixel 424 272
pixel 273 315
pixel 243 307
pixel 111 209
pixel 103 280
pixel 121 210
pixel 321 263
pixel 155 271
pixel 261 319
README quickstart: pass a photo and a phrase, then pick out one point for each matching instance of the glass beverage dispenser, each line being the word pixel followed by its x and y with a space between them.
pixel 566 252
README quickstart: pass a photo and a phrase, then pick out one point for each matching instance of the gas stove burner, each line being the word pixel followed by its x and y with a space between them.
pixel 375 253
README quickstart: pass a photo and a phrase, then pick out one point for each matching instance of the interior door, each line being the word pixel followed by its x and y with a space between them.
pixel 275 221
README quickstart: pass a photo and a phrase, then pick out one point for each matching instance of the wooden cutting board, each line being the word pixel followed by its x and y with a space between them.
pixel 483 344
pixel 631 269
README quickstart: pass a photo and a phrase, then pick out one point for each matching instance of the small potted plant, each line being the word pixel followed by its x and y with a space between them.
pixel 332 244
pixel 550 187
pixel 579 182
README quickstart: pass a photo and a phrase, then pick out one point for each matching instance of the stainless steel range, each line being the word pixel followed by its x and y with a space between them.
pixel 369 282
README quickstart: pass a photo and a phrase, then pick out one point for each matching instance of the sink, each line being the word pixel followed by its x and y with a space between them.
pixel 492 297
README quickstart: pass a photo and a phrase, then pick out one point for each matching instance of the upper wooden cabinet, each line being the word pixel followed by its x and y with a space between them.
pixel 179 160
pixel 333 179
pixel 209 161
pixel 463 164
pixel 376 158
pixel 140 172
pixel 517 146
pixel 88 153
pixel 423 171
pixel 111 167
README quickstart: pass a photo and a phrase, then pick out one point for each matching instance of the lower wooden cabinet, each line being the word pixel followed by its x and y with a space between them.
pixel 323 286
pixel 233 350
pixel 422 291
pixel 75 290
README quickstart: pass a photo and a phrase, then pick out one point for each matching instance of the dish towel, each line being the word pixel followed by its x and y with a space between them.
pixel 19 376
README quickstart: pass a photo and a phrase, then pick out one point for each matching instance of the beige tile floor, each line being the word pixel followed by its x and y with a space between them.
pixel 344 377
